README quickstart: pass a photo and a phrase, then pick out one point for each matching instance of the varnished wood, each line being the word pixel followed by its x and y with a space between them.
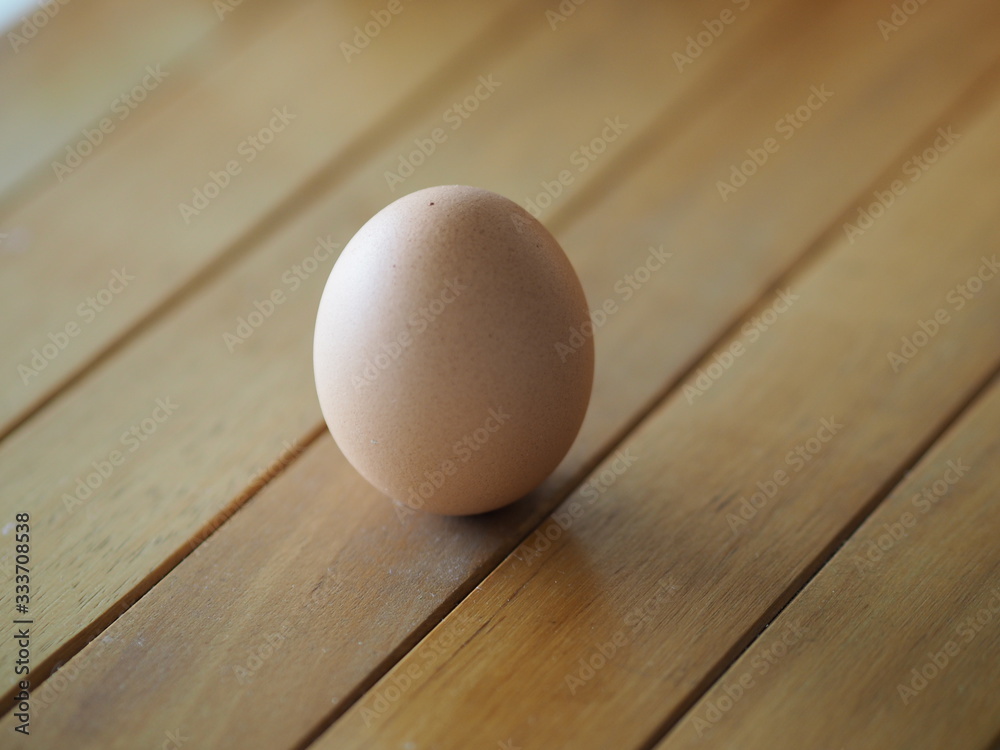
pixel 196 333
pixel 915 589
pixel 599 627
pixel 64 67
pixel 134 208
pixel 301 600
pixel 475 549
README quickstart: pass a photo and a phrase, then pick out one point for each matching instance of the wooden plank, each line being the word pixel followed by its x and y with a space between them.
pixel 915 589
pixel 210 451
pixel 63 69
pixel 323 524
pixel 164 164
pixel 682 545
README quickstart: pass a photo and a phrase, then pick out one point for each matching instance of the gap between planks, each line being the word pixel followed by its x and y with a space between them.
pixel 618 171
pixel 966 106
pixel 352 157
pixel 572 209
pixel 824 556
pixel 73 645
pixel 942 424
pixel 654 136
pixel 340 167
pixel 38 178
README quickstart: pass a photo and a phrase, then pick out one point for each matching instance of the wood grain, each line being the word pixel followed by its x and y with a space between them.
pixel 103 549
pixel 685 543
pixel 122 209
pixel 917 587
pixel 63 71
pixel 319 504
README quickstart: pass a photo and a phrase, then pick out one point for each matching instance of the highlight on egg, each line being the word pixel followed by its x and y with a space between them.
pixel 448 358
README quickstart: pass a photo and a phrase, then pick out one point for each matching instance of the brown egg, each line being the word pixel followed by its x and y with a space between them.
pixel 449 358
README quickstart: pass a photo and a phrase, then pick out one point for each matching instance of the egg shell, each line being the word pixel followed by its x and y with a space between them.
pixel 444 355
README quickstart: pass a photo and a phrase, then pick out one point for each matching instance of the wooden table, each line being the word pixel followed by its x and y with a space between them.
pixel 778 527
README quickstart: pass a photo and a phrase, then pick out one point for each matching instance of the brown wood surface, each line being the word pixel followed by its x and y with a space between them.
pixel 227 476
pixel 916 588
pixel 314 615
pixel 602 625
pixel 63 69
pixel 121 209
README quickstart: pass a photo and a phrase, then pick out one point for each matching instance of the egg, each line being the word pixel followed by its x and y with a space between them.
pixel 453 352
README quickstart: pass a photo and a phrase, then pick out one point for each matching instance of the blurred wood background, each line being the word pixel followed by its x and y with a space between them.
pixel 778 526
